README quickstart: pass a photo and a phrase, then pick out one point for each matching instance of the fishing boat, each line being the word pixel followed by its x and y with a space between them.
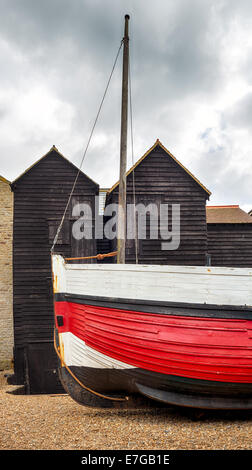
pixel 180 335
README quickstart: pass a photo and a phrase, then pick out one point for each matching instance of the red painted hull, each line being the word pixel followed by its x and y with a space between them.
pixel 208 349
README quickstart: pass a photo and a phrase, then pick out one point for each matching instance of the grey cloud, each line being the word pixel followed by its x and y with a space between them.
pixel 240 115
pixel 176 64
pixel 176 51
pixel 229 183
pixel 233 188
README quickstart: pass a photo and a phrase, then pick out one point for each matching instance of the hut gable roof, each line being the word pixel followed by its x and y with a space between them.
pixel 55 151
pixel 156 144
pixel 4 180
pixel 227 215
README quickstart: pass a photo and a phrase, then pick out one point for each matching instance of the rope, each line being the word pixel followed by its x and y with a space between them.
pixel 101 256
pixel 79 382
pixel 90 137
pixel 133 173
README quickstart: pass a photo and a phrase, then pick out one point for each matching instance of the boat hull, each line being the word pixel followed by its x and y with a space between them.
pixel 164 389
pixel 176 353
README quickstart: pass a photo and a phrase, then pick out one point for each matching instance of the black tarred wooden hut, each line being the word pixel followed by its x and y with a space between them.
pixel 40 198
pixel 229 231
pixel 159 178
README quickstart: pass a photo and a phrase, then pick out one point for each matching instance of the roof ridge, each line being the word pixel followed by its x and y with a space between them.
pixel 4 180
pixel 61 155
pixel 222 207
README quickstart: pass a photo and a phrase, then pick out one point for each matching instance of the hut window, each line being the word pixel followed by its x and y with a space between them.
pixel 64 238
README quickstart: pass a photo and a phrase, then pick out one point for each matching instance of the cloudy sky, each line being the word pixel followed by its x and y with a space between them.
pixel 191 71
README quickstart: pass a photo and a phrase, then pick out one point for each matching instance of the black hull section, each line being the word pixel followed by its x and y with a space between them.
pixel 160 307
pixel 168 389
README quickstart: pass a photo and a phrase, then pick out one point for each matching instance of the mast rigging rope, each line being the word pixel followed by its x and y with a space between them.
pixel 90 137
pixel 58 352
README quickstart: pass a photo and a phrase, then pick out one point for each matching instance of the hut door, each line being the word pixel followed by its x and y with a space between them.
pixel 41 368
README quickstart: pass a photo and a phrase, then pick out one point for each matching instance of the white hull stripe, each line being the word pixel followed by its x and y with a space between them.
pixel 77 353
pixel 189 284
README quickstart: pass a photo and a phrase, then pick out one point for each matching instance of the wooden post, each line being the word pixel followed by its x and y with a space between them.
pixel 121 235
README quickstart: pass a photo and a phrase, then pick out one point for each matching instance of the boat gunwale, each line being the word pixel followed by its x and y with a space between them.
pixel 197 270
pixel 115 302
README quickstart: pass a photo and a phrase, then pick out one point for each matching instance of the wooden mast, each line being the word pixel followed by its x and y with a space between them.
pixel 121 235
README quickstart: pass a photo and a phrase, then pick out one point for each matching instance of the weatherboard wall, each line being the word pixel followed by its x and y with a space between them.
pixel 40 198
pixel 159 179
pixel 230 244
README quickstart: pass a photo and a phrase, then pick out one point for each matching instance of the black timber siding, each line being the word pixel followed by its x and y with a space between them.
pixel 40 197
pixel 159 179
pixel 230 245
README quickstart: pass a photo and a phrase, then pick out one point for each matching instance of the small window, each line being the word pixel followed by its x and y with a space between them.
pixel 63 238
